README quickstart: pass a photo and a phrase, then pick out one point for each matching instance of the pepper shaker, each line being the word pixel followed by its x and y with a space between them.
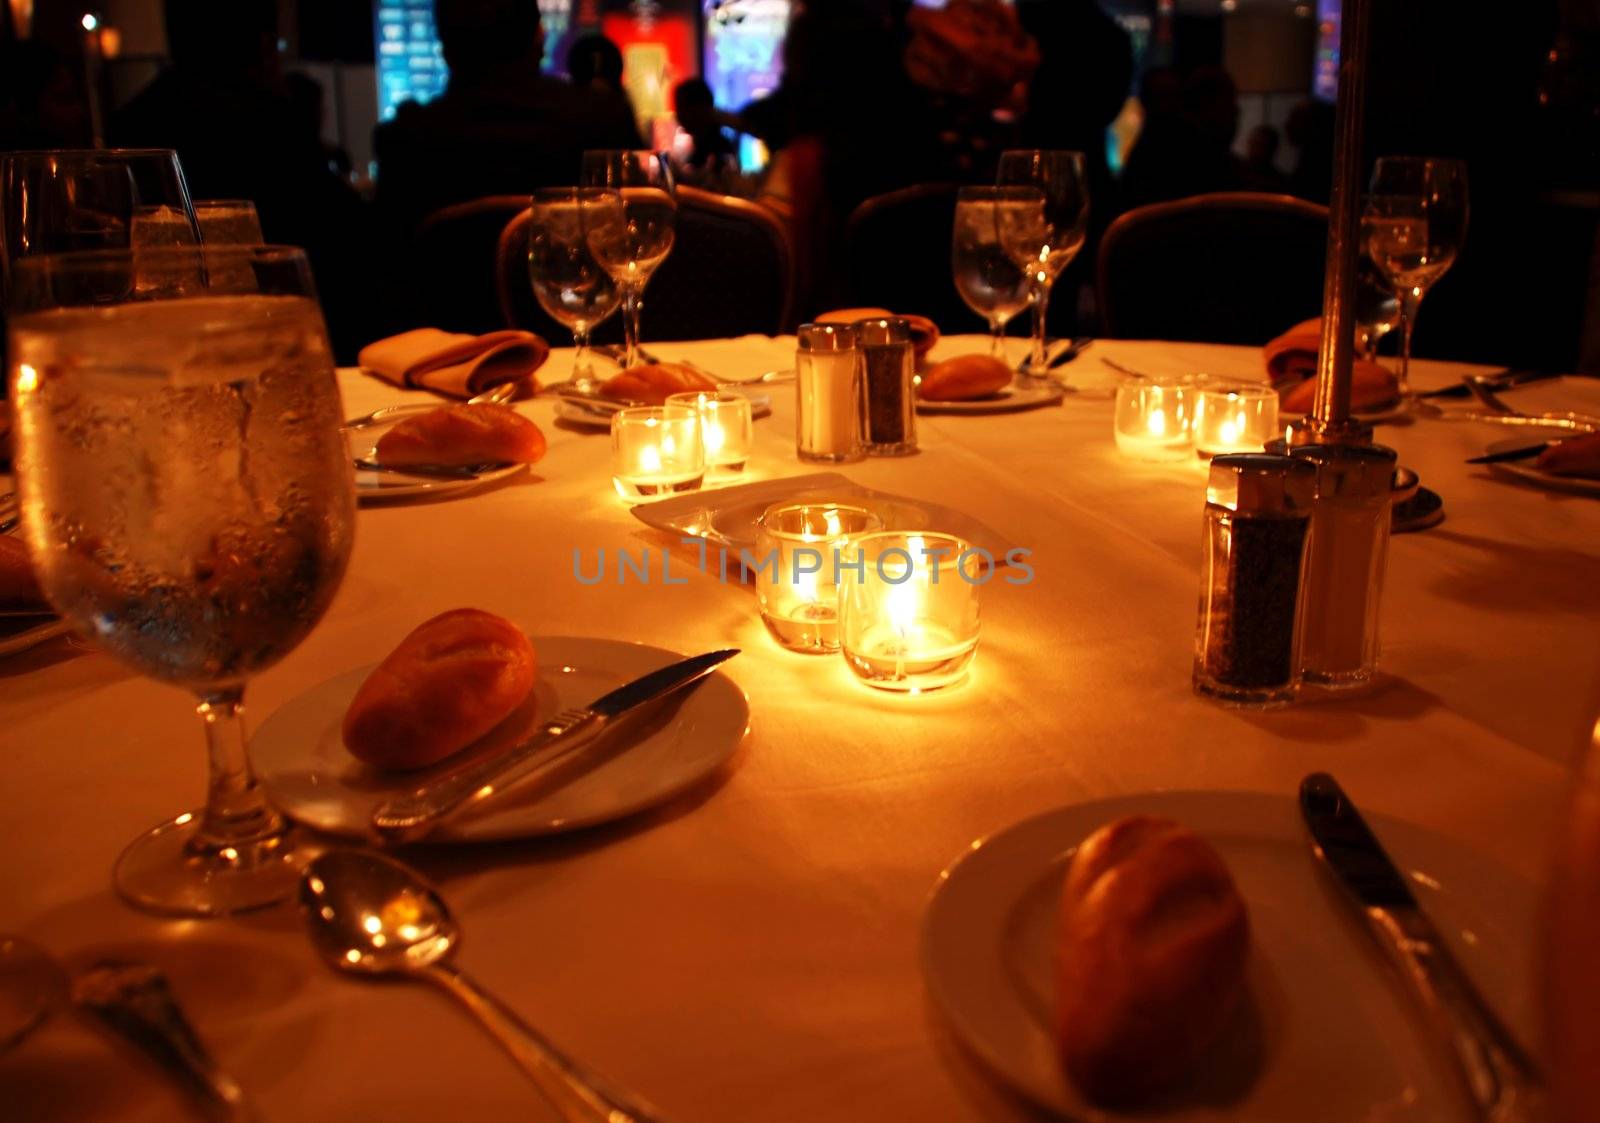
pixel 1258 513
pixel 1345 561
pixel 890 366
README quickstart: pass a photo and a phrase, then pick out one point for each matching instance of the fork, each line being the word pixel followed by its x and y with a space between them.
pixel 495 395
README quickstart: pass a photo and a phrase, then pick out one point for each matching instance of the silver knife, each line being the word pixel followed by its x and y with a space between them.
pixel 1500 1080
pixel 408 817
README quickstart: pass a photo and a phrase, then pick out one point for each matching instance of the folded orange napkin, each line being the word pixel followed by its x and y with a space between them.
pixel 1575 456
pixel 455 364
pixel 1292 366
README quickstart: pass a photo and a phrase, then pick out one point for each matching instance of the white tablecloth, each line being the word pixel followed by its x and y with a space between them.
pixel 749 951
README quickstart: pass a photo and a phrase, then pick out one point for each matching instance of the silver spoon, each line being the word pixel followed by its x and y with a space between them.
pixel 32 987
pixel 371 915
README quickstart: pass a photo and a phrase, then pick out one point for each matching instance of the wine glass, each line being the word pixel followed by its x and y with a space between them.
pixel 1413 226
pixel 989 281
pixel 1377 308
pixel 1043 236
pixel 189 502
pixel 629 224
pixel 569 283
pixel 228 222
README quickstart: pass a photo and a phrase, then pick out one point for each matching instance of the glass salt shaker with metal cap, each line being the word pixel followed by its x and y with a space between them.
pixel 1345 561
pixel 1257 518
pixel 890 365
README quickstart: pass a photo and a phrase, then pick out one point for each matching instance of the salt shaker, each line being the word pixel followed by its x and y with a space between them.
pixel 1258 513
pixel 1345 561
pixel 828 394
pixel 890 366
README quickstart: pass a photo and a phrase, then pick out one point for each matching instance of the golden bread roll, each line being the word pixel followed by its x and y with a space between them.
pixel 1575 456
pixel 653 383
pixel 1150 961
pixel 1371 387
pixel 924 332
pixel 450 681
pixel 963 378
pixel 463 435
pixel 19 585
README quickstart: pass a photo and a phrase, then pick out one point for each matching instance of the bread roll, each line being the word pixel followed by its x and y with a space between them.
pixel 19 585
pixel 963 378
pixel 653 383
pixel 463 435
pixel 449 682
pixel 1151 957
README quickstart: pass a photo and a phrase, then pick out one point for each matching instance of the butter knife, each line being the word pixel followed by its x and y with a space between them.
pixel 1527 452
pixel 1501 1082
pixel 408 817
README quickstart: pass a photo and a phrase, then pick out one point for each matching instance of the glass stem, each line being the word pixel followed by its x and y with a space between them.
pixel 236 812
pixel 582 370
pixel 1041 309
pixel 630 325
pixel 997 348
pixel 1410 300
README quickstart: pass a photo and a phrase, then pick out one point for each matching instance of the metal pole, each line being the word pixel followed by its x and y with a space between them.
pixel 1330 421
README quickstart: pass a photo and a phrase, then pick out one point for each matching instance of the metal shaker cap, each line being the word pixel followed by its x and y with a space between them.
pixel 1351 471
pixel 826 337
pixel 882 331
pixel 1259 483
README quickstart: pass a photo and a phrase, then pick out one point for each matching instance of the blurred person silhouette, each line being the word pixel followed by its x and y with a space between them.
pixel 1310 130
pixel 1260 169
pixel 712 162
pixel 594 63
pixel 1185 147
pixel 224 106
pixel 310 108
pixel 500 127
pixel 41 100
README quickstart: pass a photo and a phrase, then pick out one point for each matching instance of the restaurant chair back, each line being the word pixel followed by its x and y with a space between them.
pixel 1233 267
pixel 897 256
pixel 730 273
pixel 452 263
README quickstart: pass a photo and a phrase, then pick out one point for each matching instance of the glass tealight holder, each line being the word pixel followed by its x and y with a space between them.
pixel 798 550
pixel 1234 417
pixel 908 609
pixel 656 451
pixel 1152 419
pixel 727 426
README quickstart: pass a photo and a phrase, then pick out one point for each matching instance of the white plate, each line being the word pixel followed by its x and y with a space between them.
pixel 300 758
pixel 380 487
pixel 1524 469
pixel 598 416
pixel 1334 1036
pixel 726 516
pixel 1029 394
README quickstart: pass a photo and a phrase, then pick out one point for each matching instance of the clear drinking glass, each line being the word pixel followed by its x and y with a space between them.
pixel 1413 226
pixel 1043 235
pixel 190 503
pixel 89 199
pixel 990 282
pixel 228 222
pixel 629 225
pixel 908 609
pixel 568 281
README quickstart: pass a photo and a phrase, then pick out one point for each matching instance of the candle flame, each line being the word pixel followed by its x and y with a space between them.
pixel 649 459
pixel 714 438
pixel 1157 423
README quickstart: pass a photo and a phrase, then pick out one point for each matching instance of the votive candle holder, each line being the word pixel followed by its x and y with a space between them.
pixel 1234 417
pixel 799 547
pixel 656 451
pixel 727 426
pixel 908 609
pixel 1152 420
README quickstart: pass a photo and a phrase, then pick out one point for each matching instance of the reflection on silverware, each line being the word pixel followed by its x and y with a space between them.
pixel 1066 351
pixel 135 1001
pixel 1496 1074
pixel 1499 382
pixel 32 987
pixel 1120 369
pixel 495 395
pixel 370 915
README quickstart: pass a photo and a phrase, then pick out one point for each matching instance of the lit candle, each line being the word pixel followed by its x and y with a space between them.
pixel 1237 417
pixel 656 450
pixel 908 610
pixel 1151 421
pixel 799 547
pixel 727 428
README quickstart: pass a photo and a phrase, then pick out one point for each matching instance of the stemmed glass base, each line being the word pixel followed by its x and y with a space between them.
pixel 172 870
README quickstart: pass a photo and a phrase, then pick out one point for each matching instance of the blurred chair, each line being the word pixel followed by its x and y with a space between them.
pixel 730 273
pixel 897 256
pixel 451 265
pixel 1234 267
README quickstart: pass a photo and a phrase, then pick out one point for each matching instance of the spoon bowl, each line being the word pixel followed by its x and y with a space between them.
pixel 370 915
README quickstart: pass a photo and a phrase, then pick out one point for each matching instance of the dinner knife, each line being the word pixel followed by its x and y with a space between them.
pixel 1527 452
pixel 1500 1080
pixel 408 817
pixel 1504 380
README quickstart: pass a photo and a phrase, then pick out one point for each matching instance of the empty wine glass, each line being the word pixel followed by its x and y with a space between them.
pixel 1377 308
pixel 189 502
pixel 1044 235
pixel 989 281
pixel 1414 224
pixel 629 224
pixel 568 281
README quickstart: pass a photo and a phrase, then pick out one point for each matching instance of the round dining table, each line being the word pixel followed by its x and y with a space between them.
pixel 752 948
